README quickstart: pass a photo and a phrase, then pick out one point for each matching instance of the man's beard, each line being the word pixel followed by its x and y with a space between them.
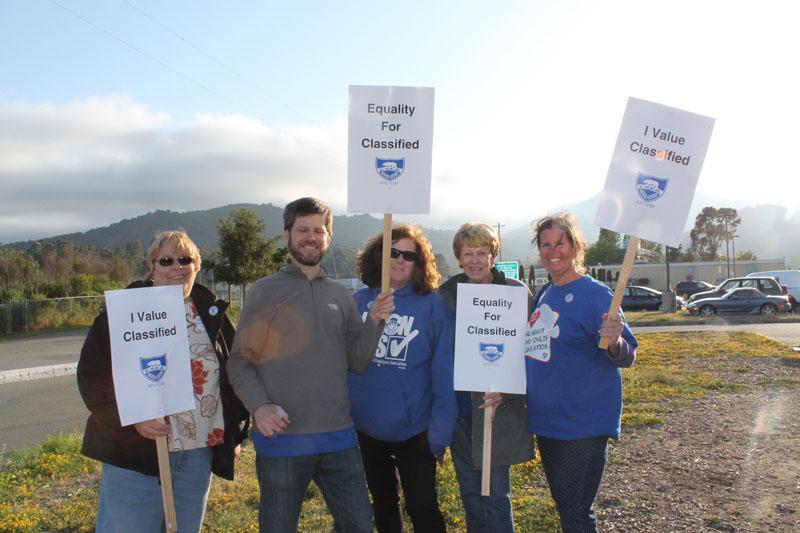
pixel 302 258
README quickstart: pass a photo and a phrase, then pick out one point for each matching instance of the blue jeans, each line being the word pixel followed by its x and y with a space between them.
pixel 131 501
pixel 574 470
pixel 340 477
pixel 484 514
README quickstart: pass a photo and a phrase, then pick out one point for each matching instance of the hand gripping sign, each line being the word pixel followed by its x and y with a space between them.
pixel 150 364
pixel 390 136
pixel 652 178
pixel 489 354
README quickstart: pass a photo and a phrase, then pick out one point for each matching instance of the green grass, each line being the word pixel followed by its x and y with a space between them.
pixel 657 318
pixel 52 487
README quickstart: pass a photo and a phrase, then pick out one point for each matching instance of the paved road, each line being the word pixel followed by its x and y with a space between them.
pixel 42 350
pixel 32 410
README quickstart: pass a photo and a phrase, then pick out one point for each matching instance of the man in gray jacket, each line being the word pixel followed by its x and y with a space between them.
pixel 298 335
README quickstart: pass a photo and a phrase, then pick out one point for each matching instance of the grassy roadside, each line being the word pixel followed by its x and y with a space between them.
pixel 52 487
pixel 682 318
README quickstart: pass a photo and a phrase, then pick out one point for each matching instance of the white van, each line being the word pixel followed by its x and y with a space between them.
pixel 790 278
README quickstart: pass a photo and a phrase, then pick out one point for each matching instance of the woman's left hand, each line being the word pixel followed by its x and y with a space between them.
pixel 612 330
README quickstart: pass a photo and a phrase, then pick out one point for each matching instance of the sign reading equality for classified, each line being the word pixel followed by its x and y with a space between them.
pixel 654 171
pixel 490 336
pixel 149 352
pixel 390 138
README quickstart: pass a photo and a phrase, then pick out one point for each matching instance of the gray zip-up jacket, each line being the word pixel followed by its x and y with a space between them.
pixel 295 342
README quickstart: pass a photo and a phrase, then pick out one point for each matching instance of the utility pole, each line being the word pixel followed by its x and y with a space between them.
pixel 727 249
pixel 733 246
pixel 500 256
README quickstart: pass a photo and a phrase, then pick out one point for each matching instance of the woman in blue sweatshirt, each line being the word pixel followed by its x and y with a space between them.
pixel 403 405
pixel 574 387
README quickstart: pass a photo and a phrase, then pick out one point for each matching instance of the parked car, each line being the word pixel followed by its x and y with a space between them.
pixel 636 298
pixel 765 284
pixel 685 289
pixel 741 300
pixel 787 278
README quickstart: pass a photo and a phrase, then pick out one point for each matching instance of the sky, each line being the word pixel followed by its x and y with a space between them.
pixel 111 109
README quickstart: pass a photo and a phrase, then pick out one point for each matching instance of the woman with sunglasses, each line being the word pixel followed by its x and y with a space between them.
pixel 200 441
pixel 403 405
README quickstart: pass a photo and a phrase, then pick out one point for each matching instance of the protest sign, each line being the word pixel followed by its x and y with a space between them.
pixel 149 352
pixel 654 171
pixel 390 137
pixel 490 327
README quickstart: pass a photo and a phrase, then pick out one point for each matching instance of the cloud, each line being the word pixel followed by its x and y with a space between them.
pixel 91 162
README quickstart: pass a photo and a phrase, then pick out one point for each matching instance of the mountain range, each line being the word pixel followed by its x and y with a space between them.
pixel 769 231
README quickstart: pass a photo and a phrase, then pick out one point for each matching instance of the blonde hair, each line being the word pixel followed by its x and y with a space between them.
pixel 475 235
pixel 568 223
pixel 182 242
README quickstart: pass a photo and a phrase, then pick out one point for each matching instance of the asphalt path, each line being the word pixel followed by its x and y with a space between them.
pixel 32 407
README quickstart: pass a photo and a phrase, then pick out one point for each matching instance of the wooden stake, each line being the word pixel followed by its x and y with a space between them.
pixel 387 248
pixel 166 485
pixel 486 466
pixel 622 282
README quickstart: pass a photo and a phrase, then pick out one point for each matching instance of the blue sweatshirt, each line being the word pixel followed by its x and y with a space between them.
pixel 574 387
pixel 408 386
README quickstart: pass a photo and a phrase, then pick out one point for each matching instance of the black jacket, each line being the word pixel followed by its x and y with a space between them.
pixel 106 440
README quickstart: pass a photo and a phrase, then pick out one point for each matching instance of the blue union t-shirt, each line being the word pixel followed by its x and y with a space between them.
pixel 574 387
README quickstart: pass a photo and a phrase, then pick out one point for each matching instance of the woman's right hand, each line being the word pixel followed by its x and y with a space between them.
pixel 150 429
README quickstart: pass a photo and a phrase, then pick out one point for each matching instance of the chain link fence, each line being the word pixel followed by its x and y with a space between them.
pixel 23 316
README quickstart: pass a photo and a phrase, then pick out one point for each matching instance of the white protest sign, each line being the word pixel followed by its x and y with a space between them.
pixel 654 171
pixel 390 138
pixel 149 352
pixel 490 336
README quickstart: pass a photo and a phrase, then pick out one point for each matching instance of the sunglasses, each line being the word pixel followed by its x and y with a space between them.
pixel 408 255
pixel 168 261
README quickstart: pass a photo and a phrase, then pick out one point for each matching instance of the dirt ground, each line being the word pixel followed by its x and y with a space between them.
pixel 729 462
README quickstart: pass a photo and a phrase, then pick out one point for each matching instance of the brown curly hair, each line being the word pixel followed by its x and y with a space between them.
pixel 425 278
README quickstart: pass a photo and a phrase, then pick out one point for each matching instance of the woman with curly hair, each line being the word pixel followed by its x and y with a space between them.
pixel 403 405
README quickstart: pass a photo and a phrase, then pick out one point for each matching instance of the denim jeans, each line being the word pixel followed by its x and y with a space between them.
pixel 416 465
pixel 340 477
pixel 484 514
pixel 574 470
pixel 131 501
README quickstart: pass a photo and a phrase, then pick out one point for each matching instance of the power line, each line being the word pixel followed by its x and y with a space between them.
pixel 215 60
pixel 182 75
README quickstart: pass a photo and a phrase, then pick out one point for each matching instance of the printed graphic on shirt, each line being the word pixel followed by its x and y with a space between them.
pixel 542 327
pixel 395 340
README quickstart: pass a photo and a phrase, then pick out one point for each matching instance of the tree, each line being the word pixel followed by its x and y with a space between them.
pixel 606 250
pixel 711 227
pixel 747 255
pixel 244 255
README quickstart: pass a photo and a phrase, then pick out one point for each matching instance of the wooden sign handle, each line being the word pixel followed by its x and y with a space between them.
pixel 386 258
pixel 622 282
pixel 166 485
pixel 486 465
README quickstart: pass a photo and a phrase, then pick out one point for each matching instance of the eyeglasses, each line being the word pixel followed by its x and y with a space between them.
pixel 167 261
pixel 408 255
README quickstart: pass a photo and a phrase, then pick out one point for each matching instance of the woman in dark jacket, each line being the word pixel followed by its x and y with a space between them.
pixel 200 441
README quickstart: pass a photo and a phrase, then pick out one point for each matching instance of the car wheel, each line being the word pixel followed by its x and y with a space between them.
pixel 707 310
pixel 768 309
pixel 660 307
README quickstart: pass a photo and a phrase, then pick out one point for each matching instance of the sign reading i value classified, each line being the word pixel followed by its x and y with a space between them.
pixel 390 138
pixel 149 352
pixel 654 172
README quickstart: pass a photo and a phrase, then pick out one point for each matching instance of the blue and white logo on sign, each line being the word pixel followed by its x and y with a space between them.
pixel 492 351
pixel 650 188
pixel 154 368
pixel 390 169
